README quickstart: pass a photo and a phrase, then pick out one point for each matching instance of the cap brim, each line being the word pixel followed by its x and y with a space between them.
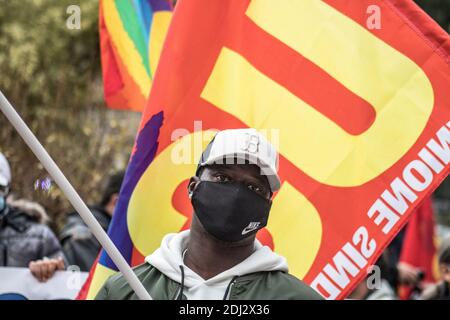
pixel 272 176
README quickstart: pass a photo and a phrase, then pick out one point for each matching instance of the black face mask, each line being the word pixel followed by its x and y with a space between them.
pixel 2 204
pixel 230 211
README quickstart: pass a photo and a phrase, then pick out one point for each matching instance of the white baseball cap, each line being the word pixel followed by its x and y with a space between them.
pixel 5 171
pixel 235 146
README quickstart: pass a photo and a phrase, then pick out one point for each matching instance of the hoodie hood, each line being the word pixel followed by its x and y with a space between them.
pixel 169 257
pixel 32 209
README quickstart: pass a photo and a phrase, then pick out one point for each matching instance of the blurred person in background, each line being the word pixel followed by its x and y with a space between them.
pixel 441 291
pixel 376 286
pixel 79 244
pixel 398 273
pixel 25 239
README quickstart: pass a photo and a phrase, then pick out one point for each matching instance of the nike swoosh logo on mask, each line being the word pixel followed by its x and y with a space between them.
pixel 251 227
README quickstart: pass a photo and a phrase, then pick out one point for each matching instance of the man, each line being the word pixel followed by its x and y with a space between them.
pixel 79 244
pixel 441 291
pixel 25 241
pixel 219 257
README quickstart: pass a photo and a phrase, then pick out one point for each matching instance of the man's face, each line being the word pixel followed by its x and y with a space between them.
pixel 4 191
pixel 246 174
pixel 445 271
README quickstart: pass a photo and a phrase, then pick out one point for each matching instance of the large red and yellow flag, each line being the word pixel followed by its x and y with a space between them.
pixel 360 112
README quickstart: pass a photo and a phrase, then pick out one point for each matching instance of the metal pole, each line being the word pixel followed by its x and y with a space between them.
pixel 71 194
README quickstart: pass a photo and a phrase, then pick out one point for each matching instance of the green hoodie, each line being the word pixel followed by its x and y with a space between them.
pixel 262 276
pixel 272 285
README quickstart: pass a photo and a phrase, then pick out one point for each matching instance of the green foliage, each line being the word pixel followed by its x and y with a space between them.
pixel 52 75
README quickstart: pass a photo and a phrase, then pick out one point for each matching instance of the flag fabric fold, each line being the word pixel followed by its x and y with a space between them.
pixel 419 245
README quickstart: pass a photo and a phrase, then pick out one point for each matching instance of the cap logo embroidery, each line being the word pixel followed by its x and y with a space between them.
pixel 251 143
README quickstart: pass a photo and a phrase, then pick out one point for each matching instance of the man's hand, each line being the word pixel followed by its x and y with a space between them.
pixel 45 269
pixel 408 274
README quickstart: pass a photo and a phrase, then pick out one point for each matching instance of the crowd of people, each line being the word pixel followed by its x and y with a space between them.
pixel 26 241
pixel 399 280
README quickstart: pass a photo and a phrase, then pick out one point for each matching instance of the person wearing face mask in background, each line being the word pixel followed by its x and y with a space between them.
pixel 25 239
pixel 220 257
pixel 80 246
pixel 440 290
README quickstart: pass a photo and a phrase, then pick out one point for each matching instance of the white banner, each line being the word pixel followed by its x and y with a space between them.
pixel 19 284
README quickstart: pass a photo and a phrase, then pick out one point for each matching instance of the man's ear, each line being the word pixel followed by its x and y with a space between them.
pixel 193 182
pixel 114 198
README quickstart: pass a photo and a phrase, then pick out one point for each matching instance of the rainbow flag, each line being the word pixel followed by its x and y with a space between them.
pixel 361 115
pixel 132 33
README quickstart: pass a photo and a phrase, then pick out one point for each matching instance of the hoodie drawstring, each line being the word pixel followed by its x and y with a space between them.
pixel 228 288
pixel 180 295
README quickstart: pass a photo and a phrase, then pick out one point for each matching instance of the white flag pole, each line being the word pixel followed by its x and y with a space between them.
pixel 71 194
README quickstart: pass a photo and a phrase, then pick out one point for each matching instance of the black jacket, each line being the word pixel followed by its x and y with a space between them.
pixel 79 244
pixel 440 291
pixel 24 238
